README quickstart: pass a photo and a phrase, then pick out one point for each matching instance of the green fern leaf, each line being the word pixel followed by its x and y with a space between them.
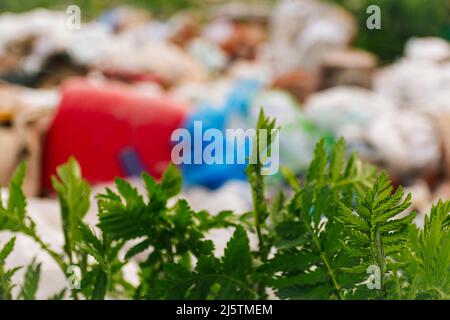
pixel 31 281
pixel 430 273
pixel 374 230
pixel 73 193
pixel 237 259
pixel 16 199
pixel 6 286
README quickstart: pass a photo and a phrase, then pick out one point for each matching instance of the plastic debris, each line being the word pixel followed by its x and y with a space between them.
pixel 347 111
pixel 421 80
pixel 428 49
pixel 210 55
pixel 398 136
pixel 231 114
pixel 112 130
pixel 304 30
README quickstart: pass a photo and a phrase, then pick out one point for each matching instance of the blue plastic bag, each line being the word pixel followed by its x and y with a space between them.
pixel 211 117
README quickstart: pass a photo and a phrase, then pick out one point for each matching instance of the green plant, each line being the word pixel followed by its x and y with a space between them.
pixel 316 239
pixel 309 259
pixel 374 232
pixel 429 266
pixel 31 280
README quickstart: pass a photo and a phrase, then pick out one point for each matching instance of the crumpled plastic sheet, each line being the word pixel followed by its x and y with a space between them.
pixel 303 30
pixel 378 128
pixel 420 80
pixel 406 141
pixel 347 111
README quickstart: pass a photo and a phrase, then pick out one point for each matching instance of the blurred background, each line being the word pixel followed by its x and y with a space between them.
pixel 110 90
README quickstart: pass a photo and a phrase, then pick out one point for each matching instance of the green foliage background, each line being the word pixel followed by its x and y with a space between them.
pixel 92 8
pixel 400 20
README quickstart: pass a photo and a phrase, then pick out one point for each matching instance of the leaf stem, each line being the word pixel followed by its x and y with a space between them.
pixel 326 262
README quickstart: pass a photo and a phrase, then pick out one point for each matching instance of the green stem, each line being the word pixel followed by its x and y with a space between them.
pixel 260 209
pixel 378 257
pixel 326 262
pixel 260 214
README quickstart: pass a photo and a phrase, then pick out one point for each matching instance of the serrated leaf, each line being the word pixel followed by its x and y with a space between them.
pixel 171 181
pixel 373 232
pixel 133 199
pixel 289 176
pixel 237 259
pixel 73 193
pixel 6 250
pixel 16 198
pixel 31 281
pixel 317 167
pixel 138 248
pixel 337 160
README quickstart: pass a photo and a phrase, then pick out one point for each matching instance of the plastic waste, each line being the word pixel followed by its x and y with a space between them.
pixel 110 129
pixel 210 55
pixel 429 49
pixel 416 84
pixel 347 111
pixel 406 142
pixel 303 30
pixel 231 114
pixel 420 80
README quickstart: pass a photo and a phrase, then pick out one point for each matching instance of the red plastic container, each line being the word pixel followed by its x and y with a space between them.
pixel 109 127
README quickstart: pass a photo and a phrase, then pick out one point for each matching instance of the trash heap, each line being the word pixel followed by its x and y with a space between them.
pixel 112 92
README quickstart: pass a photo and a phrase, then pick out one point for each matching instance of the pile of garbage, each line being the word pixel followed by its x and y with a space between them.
pixel 111 92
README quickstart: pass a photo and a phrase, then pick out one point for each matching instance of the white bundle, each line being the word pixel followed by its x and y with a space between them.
pixel 405 141
pixel 38 23
pixel 48 28
pixel 163 59
pixel 416 85
pixel 427 49
pixel 421 80
pixel 90 44
pixel 94 44
pixel 347 111
pixel 303 30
